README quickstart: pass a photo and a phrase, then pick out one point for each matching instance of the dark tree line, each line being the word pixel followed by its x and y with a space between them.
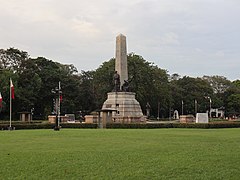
pixel 85 91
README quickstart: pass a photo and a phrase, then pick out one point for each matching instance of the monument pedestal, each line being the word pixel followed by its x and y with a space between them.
pixel 127 108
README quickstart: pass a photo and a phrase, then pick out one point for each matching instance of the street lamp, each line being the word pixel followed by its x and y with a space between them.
pixel 57 95
pixel 158 110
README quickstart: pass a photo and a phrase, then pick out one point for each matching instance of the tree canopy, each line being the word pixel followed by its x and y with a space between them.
pixel 85 91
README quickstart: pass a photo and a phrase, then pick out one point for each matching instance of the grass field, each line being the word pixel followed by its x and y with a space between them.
pixel 120 154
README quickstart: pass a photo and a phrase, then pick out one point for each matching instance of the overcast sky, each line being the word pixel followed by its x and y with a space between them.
pixel 188 37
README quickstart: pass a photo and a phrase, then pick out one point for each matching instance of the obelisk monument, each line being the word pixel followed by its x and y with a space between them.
pixel 125 108
pixel 121 58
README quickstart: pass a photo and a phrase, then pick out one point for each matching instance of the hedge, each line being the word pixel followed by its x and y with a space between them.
pixel 3 122
pixel 45 126
pixel 125 126
pixel 176 125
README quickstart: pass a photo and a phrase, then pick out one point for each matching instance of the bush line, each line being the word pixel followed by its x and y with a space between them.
pixel 213 125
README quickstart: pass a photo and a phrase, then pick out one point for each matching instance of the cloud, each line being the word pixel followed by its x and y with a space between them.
pixel 181 36
pixel 84 27
pixel 170 39
pixel 220 54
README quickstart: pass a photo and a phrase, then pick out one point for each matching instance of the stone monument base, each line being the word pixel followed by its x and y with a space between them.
pixel 186 118
pixel 127 108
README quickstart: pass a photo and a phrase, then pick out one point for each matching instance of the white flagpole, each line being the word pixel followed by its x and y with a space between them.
pixel 10 106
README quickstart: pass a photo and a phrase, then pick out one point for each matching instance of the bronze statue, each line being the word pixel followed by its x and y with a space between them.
pixel 116 79
pixel 125 86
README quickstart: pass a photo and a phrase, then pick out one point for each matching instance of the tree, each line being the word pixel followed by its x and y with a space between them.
pixel 233 105
pixel 231 99
pixel 34 78
pixel 102 82
pixel 219 83
pixel 191 90
pixel 149 82
pixel 175 77
pixel 29 84
pixel 88 97
pixel 51 73
pixel 5 76
pixel 236 83
pixel 12 58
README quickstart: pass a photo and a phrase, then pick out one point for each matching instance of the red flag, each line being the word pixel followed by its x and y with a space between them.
pixel 60 97
pixel 0 100
pixel 12 88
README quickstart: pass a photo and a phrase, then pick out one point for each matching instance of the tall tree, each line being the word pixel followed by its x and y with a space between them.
pixel 232 99
pixel 219 84
pixel 88 96
pixel 191 90
pixel 29 84
pixel 102 82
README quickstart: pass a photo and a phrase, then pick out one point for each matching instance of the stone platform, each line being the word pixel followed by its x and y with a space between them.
pixel 128 109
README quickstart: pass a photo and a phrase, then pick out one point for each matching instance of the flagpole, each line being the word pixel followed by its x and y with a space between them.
pixel 59 89
pixel 10 106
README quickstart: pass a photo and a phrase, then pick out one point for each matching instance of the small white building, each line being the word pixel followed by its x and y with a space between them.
pixel 217 113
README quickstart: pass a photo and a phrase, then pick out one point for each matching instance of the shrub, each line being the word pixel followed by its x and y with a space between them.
pixel 211 125
pixel 175 125
pixel 45 126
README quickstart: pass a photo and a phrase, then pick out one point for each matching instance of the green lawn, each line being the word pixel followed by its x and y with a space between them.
pixel 120 154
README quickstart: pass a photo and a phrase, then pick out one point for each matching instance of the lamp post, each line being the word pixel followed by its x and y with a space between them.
pixel 210 105
pixel 57 95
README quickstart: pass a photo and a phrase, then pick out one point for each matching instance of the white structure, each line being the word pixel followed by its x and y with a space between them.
pixel 202 118
pixel 175 114
pixel 218 112
pixel 121 58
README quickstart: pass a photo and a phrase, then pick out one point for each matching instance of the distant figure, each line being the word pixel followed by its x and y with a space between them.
pixel 125 86
pixel 148 107
pixel 116 79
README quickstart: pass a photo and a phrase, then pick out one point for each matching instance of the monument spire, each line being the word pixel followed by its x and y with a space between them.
pixel 121 104
pixel 121 58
